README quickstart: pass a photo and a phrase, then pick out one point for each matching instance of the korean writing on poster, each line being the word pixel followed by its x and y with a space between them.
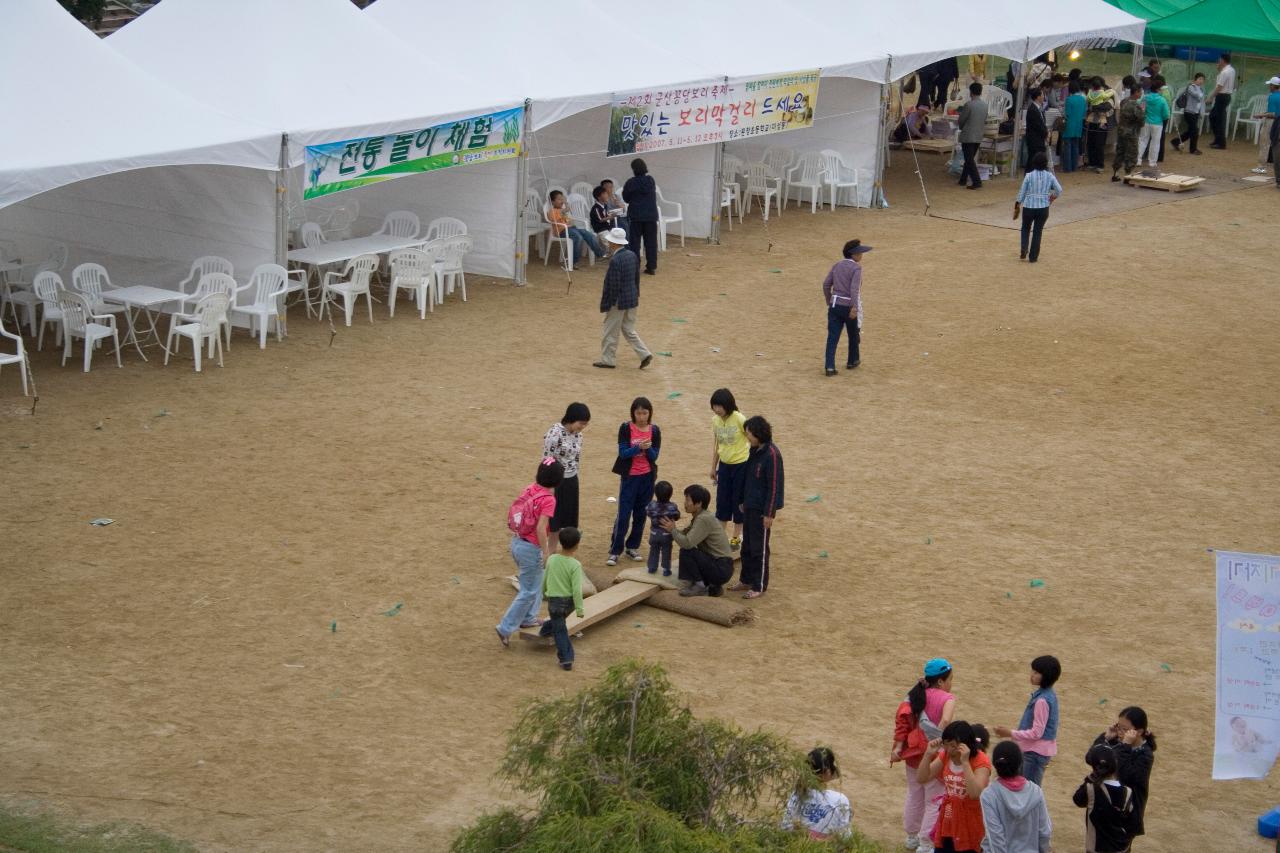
pixel 704 113
pixel 337 166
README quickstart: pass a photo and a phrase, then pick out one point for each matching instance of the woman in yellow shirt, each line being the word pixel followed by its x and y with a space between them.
pixel 728 460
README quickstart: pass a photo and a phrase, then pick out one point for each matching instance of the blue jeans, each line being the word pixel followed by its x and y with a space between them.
pixel 841 318
pixel 635 494
pixel 559 608
pixel 660 552
pixel 578 236
pixel 528 601
pixel 1070 153
pixel 1033 765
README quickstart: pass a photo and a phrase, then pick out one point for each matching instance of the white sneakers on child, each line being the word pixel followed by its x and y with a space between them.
pixel 912 842
pixel 612 561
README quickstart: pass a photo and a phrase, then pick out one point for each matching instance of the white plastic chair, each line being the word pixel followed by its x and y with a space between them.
pixel 580 214
pixel 267 287
pixel 91 280
pixel 19 357
pixel 215 282
pixel 1245 115
pixel 414 270
pixel 839 176
pixel 47 286
pixel 669 213
pixel 202 267
pixel 762 182
pixel 401 223
pixel 998 103
pixel 534 226
pixel 350 284
pixel 80 321
pixel 20 294
pixel 729 198
pixel 445 226
pixel 210 316
pixel 448 266
pixel 779 159
pixel 808 174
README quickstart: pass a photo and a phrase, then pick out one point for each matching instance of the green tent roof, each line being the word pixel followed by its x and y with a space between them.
pixel 1150 10
pixel 1251 26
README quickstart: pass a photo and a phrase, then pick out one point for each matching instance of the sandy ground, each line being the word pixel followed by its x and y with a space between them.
pixel 1095 421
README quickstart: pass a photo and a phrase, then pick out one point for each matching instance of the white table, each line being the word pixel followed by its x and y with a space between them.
pixel 144 298
pixel 345 250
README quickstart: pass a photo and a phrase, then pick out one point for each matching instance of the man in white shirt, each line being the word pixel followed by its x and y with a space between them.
pixel 1220 100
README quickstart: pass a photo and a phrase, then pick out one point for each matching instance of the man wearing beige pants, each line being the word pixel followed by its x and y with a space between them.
pixel 620 299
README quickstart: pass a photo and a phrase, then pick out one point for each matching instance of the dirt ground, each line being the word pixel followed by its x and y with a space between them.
pixel 1095 421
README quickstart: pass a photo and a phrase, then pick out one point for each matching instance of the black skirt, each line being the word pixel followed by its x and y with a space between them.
pixel 566 514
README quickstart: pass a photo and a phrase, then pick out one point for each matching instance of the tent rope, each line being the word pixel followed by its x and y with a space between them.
pixel 568 274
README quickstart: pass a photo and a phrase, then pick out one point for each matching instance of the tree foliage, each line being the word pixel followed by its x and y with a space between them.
pixel 89 11
pixel 625 766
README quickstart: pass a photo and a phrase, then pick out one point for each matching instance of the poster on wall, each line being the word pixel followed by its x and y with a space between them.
pixel 658 119
pixel 337 166
pixel 1247 718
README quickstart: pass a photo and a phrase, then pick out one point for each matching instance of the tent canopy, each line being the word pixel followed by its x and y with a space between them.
pixel 68 129
pixel 319 70
pixel 1250 26
pixel 1150 10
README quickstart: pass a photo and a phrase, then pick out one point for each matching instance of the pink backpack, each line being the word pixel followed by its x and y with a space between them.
pixel 522 517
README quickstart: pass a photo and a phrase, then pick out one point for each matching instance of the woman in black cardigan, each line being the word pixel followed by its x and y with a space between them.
pixel 639 441
pixel 641 195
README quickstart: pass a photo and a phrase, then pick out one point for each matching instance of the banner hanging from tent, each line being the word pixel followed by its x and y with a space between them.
pixel 1247 734
pixel 658 119
pixel 337 166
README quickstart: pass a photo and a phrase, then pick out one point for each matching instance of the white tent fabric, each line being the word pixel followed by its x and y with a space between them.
pixel 322 71
pixel 66 122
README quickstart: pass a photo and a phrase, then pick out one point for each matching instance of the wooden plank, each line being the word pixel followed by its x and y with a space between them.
pixel 1169 183
pixel 931 146
pixel 603 604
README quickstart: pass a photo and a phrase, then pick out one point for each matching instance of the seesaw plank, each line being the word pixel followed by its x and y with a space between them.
pixel 604 604
pixel 1168 182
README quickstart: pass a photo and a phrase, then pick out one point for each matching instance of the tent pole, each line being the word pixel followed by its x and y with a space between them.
pixel 1017 109
pixel 882 138
pixel 282 203
pixel 717 192
pixel 522 190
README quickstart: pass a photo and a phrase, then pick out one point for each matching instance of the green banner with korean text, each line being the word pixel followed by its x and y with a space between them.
pixel 351 163
pixel 696 114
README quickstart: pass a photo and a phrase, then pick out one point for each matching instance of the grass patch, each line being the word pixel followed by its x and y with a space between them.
pixel 44 833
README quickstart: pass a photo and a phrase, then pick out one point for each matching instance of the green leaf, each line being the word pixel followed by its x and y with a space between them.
pixel 813 499
pixel 1037 583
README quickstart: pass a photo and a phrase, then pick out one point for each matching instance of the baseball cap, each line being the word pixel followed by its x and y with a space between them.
pixel 1274 81
pixel 936 666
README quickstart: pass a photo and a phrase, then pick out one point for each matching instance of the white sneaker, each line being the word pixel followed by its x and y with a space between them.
pixel 1259 171
pixel 635 554
pixel 612 561
pixel 912 842
pixel 926 846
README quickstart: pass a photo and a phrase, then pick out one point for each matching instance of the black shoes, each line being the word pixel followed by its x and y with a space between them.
pixel 831 371
pixel 853 365
pixel 697 589
pixel 602 364
pixel 650 272
pixel 645 362
pixel 566 665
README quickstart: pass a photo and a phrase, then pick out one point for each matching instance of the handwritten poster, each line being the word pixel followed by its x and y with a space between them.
pixel 673 117
pixel 1247 736
pixel 350 163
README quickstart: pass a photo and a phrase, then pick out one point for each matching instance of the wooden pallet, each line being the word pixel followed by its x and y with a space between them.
pixel 931 146
pixel 602 605
pixel 1161 181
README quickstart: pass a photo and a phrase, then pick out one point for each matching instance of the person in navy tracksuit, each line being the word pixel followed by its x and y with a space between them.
pixel 760 497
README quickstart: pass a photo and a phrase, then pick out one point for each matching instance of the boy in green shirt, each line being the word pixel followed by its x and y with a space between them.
pixel 562 588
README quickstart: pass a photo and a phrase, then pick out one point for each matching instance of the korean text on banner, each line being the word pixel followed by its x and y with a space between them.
pixel 1247 735
pixel 655 120
pixel 337 166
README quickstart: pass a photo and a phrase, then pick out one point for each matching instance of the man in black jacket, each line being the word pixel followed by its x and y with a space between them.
pixel 641 195
pixel 1037 130
pixel 619 301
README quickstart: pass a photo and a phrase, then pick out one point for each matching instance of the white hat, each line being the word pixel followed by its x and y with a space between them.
pixel 1274 81
pixel 616 235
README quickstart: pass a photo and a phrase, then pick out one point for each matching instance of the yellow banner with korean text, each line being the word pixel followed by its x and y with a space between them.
pixel 701 113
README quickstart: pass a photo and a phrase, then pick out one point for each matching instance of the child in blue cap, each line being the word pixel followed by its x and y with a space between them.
pixel 929 707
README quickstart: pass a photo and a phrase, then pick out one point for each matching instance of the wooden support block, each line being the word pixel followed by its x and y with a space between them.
pixel 1156 181
pixel 604 604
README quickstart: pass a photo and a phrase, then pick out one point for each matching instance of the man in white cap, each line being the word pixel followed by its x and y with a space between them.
pixel 620 299
pixel 1269 132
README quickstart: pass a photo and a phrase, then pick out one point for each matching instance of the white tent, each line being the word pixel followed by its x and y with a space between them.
pixel 91 137
pixel 320 71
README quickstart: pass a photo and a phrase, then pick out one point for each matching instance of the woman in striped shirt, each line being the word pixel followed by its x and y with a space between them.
pixel 1039 189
